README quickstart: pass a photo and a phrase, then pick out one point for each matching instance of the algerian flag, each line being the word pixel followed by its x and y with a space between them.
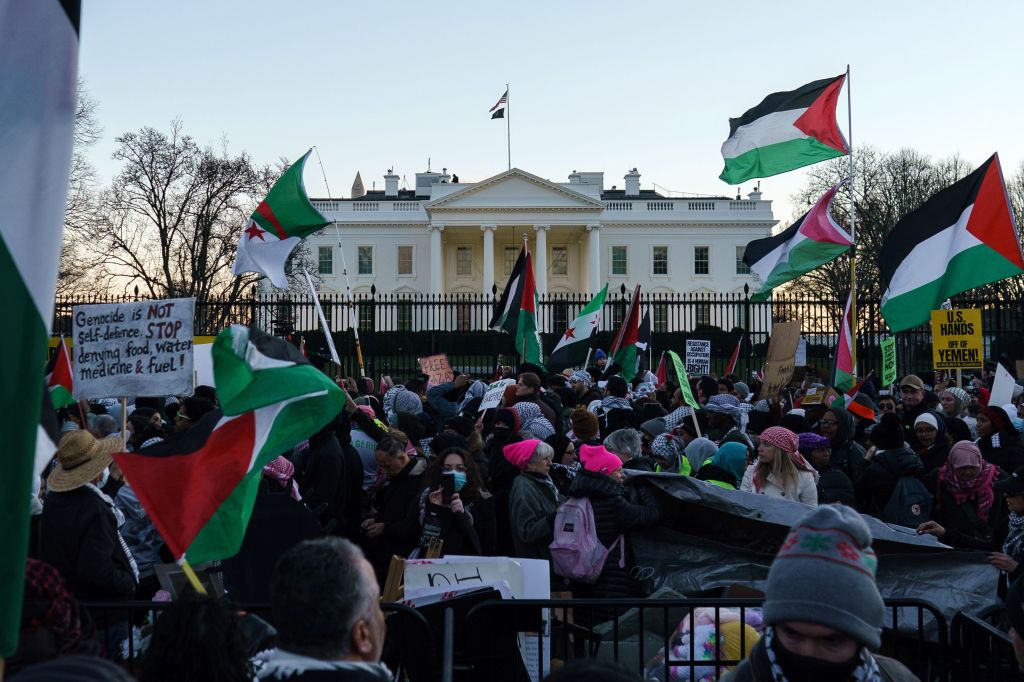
pixel 38 60
pixel 572 348
pixel 59 377
pixel 276 226
pixel 199 487
pixel 787 130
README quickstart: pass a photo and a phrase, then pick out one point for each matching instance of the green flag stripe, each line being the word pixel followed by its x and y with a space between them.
pixel 774 159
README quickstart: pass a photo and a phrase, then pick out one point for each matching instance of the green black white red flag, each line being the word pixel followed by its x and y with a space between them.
pixel 786 131
pixel 845 374
pixel 277 225
pixel 199 487
pixel 961 238
pixel 572 348
pixel 59 377
pixel 623 351
pixel 516 311
pixel 39 63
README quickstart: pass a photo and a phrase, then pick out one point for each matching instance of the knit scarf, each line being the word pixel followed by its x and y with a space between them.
pixel 866 670
pixel 119 519
pixel 979 487
pixel 1015 536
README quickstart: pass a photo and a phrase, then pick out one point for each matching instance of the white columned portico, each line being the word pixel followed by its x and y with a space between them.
pixel 594 258
pixel 540 274
pixel 488 257
pixel 435 258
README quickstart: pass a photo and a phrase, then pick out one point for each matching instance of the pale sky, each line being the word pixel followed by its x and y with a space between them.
pixel 595 86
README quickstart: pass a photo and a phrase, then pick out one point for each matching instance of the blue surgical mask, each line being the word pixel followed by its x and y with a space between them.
pixel 460 480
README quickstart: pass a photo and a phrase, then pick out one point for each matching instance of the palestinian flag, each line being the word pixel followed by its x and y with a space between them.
pixel 623 351
pixel 662 372
pixel 847 400
pixel 516 311
pixel 276 226
pixel 39 58
pixel 734 358
pixel 199 486
pixel 787 130
pixel 59 377
pixel 963 237
pixel 572 348
pixel 506 308
pixel 643 340
pixel 845 372
pixel 813 240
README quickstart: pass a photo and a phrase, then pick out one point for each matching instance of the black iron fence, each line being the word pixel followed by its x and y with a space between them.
pixel 396 329
pixel 982 651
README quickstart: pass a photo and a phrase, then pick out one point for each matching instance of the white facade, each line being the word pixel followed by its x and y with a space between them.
pixel 447 237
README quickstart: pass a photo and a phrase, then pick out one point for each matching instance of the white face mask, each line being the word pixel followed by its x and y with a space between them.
pixel 106 477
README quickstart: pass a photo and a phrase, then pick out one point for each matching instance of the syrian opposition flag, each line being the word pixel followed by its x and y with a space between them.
pixel 572 348
pixel 39 58
pixel 845 374
pixel 276 226
pixel 813 240
pixel 963 237
pixel 199 487
pixel 623 351
pixel 498 110
pixel 59 377
pixel 787 130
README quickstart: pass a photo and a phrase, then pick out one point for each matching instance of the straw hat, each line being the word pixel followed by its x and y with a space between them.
pixel 81 458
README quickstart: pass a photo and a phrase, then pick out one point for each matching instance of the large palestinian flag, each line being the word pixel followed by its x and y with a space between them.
pixel 845 373
pixel 277 225
pixel 59 377
pixel 572 348
pixel 38 60
pixel 810 242
pixel 623 350
pixel 199 487
pixel 516 311
pixel 961 238
pixel 787 130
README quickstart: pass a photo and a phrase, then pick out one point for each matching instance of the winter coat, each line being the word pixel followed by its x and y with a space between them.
pixel 319 471
pixel 532 504
pixel 879 476
pixel 438 400
pixel 470 533
pixel 933 458
pixel 501 476
pixel 138 531
pixel 757 668
pixel 278 664
pixel 614 515
pixel 835 486
pixel 396 505
pixel 998 520
pixel 1008 456
pixel 963 517
pixel 806 490
pixel 847 453
pixel 78 537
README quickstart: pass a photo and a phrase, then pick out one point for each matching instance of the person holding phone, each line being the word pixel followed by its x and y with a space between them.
pixel 456 508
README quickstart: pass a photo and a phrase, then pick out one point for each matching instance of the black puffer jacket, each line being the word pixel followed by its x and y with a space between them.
pixel 847 453
pixel 878 479
pixel 614 515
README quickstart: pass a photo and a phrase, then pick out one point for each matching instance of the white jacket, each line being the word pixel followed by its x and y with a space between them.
pixel 806 487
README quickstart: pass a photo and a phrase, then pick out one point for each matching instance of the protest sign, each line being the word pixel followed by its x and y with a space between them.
pixel 778 368
pixel 492 398
pixel 131 349
pixel 437 368
pixel 683 379
pixel 1002 388
pixel 698 357
pixel 888 361
pixel 801 353
pixel 956 339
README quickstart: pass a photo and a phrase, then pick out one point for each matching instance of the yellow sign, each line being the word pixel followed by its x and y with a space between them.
pixel 956 339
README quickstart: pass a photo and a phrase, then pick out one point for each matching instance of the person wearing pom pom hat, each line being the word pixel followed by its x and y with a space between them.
pixel 534 499
pixel 815 631
pixel 601 481
pixel 780 470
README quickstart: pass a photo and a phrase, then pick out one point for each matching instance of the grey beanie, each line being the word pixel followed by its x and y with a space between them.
pixel 829 547
pixel 655 427
pixel 743 389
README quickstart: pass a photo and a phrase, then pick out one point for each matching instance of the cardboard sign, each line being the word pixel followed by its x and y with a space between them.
pixel 684 380
pixel 698 357
pixel 132 349
pixel 437 368
pixel 956 339
pixel 492 398
pixel 778 370
pixel 888 361
pixel 1002 388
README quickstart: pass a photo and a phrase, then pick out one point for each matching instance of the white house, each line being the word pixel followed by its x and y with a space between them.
pixel 446 236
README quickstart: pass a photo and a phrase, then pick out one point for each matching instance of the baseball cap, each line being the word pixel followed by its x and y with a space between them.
pixel 913 381
pixel 1012 485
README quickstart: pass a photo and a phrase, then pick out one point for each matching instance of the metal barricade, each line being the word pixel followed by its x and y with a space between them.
pixel 982 651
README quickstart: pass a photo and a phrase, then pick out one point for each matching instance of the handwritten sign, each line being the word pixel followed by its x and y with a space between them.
pixel 130 349
pixel 492 398
pixel 698 357
pixel 888 361
pixel 956 339
pixel 437 368
pixel 778 369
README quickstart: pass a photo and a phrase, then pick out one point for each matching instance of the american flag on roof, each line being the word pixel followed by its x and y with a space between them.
pixel 498 110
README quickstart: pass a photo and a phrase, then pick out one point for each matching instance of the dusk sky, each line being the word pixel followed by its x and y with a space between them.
pixel 595 86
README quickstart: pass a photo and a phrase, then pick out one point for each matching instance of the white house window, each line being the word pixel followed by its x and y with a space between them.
pixel 619 260
pixel 702 260
pixel 464 261
pixel 559 260
pixel 404 260
pixel 325 260
pixel 365 258
pixel 659 260
pixel 511 254
pixel 704 315
pixel 660 317
pixel 741 267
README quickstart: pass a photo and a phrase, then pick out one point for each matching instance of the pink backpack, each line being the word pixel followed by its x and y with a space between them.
pixel 576 553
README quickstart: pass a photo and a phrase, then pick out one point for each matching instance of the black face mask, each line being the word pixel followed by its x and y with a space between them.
pixel 807 669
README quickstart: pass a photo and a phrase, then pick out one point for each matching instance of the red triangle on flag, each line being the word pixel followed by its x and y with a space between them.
pixel 991 220
pixel 819 121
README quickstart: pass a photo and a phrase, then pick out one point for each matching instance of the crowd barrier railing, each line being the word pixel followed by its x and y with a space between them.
pixel 981 651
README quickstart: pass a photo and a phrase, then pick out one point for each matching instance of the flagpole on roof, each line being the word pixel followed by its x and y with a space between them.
pixel 508 124
pixel 853 229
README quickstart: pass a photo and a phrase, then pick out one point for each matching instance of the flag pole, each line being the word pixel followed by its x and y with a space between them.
pixel 192 577
pixel 323 318
pixel 853 229
pixel 508 124
pixel 348 286
pixel 526 250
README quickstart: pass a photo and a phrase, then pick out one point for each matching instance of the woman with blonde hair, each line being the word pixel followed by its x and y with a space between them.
pixel 780 470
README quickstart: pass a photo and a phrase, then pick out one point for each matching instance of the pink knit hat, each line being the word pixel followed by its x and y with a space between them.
pixel 782 438
pixel 597 459
pixel 519 454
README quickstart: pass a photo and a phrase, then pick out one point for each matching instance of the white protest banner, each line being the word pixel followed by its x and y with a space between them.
pixel 698 357
pixel 492 398
pixel 132 349
pixel 1002 388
